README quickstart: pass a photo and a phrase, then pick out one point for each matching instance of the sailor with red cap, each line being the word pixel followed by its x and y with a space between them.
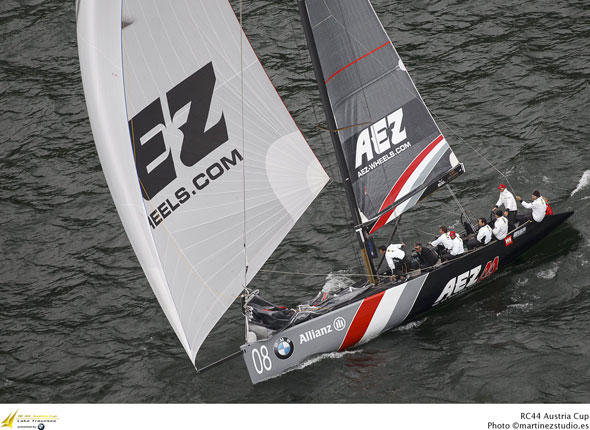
pixel 457 247
pixel 507 199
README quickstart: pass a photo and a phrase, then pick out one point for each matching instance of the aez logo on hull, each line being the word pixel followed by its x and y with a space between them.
pixel 153 158
pixel 380 138
pixel 467 279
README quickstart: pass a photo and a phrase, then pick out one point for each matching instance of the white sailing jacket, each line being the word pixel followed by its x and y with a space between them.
pixel 507 199
pixel 500 228
pixel 394 251
pixel 457 246
pixel 539 208
pixel 444 240
pixel 485 234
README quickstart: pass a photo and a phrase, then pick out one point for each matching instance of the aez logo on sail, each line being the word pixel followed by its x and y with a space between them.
pixel 380 138
pixel 153 159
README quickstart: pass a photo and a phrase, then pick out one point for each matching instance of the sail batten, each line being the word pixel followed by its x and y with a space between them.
pixel 194 176
pixel 388 155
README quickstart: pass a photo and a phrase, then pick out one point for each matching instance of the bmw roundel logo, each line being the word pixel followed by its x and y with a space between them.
pixel 284 348
pixel 41 426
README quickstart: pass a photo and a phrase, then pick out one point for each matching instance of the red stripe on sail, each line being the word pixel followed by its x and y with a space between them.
pixel 358 59
pixel 381 221
pixel 361 320
pixel 390 199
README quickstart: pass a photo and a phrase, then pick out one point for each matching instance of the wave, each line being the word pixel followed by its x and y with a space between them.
pixel 320 357
pixel 520 306
pixel 549 273
pixel 411 325
pixel 583 183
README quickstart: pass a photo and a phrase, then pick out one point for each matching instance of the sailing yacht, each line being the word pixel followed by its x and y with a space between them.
pixel 209 172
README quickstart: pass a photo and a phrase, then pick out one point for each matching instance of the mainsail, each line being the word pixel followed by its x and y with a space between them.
pixel 394 152
pixel 206 167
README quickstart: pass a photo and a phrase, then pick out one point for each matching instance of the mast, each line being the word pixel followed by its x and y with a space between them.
pixel 361 232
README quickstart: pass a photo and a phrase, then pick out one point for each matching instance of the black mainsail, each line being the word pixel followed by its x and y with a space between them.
pixel 392 151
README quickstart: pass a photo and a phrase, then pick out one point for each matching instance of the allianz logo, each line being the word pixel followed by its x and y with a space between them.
pixel 338 325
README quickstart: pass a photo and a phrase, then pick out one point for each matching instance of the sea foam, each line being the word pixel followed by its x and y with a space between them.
pixel 549 273
pixel 320 357
pixel 583 183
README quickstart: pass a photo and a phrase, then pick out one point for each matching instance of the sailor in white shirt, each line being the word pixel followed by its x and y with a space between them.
pixel 457 244
pixel 500 226
pixel 457 247
pixel 484 235
pixel 444 242
pixel 394 252
pixel 507 200
pixel 394 255
pixel 538 205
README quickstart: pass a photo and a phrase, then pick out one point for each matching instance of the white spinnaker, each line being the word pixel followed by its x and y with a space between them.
pixel 193 250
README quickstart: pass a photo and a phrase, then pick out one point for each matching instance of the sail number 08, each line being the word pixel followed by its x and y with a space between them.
pixel 261 360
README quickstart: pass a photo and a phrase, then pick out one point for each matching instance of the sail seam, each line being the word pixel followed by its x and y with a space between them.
pixel 357 60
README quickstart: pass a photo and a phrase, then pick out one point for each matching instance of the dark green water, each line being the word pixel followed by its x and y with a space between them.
pixel 78 320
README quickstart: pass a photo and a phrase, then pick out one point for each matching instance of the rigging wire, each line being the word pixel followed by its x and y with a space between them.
pixel 428 109
pixel 243 139
pixel 447 126
pixel 429 233
pixel 245 291
pixel 389 241
pixel 321 136
pixel 467 217
pixel 284 272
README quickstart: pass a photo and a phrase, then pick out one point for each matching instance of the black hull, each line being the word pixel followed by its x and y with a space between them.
pixel 523 238
pixel 340 323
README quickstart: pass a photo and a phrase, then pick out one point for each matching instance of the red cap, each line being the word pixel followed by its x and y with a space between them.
pixel 452 234
pixel 501 186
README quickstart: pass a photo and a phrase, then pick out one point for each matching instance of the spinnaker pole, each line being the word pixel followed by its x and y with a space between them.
pixel 362 234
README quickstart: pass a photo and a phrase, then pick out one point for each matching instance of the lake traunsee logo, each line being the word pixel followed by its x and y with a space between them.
pixel 8 420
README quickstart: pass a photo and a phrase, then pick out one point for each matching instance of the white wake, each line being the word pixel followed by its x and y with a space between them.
pixel 583 183
pixel 549 273
pixel 324 356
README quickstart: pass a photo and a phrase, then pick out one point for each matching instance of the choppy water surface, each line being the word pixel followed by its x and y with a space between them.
pixel 78 321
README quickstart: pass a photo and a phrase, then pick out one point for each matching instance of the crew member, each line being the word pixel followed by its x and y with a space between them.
pixel 426 256
pixel 484 235
pixel 395 257
pixel 507 199
pixel 500 226
pixel 538 205
pixel 506 215
pixel 444 242
pixel 457 247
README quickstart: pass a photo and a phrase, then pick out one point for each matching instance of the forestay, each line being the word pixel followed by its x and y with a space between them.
pixel 393 148
pixel 208 170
